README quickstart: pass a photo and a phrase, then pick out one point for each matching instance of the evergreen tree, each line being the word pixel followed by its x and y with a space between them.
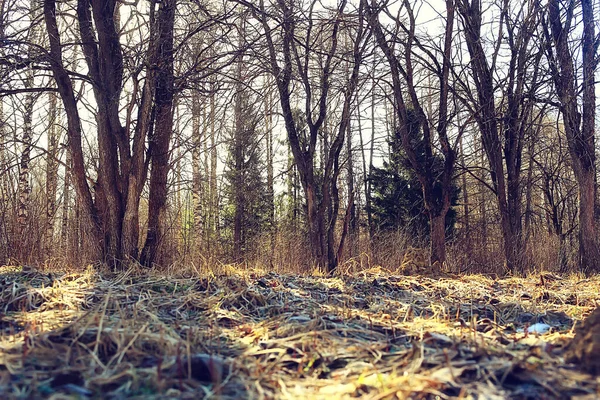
pixel 245 217
pixel 397 197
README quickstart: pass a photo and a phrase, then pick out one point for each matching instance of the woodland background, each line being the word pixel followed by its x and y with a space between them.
pixel 296 134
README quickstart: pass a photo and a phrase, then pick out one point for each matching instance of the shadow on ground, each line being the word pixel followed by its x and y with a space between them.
pixel 257 335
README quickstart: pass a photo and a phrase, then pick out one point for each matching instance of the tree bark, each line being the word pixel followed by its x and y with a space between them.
pixel 438 238
pixel 270 159
pixel 163 130
pixel 197 173
pixel 320 197
pixel 112 212
pixel 436 185
pixel 51 172
pixel 74 131
pixel 523 64
pixel 579 127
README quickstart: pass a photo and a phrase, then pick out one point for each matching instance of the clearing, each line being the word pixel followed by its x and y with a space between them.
pixel 250 334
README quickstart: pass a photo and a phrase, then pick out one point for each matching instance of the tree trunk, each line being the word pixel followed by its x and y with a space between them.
pixel 24 173
pixel 436 184
pixel 316 233
pixel 483 204
pixel 369 184
pixel 465 199
pixel 64 230
pixel 352 219
pixel 506 181
pixel 213 196
pixel 239 131
pixel 270 175
pixel 437 224
pixel 589 250
pixel 51 173
pixel 529 189
pixel 163 130
pixel 23 217
pixel 197 178
pixel 579 127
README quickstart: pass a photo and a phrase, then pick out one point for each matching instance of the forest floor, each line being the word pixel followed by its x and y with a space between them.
pixel 248 334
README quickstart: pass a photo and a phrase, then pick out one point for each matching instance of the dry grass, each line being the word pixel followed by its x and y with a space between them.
pixel 252 334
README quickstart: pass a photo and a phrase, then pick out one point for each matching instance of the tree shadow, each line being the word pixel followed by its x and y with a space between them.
pixel 257 335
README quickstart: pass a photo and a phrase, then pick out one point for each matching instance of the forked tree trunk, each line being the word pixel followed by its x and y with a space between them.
pixel 320 196
pixel 436 184
pixel 504 152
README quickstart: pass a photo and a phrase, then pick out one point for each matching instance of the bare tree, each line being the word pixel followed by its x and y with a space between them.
pixel 578 112
pixel 503 126
pixel 437 185
pixel 160 138
pixel 111 211
pixel 309 45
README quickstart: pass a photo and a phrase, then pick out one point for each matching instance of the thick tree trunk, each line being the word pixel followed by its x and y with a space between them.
pixel 161 138
pixel 589 250
pixel 516 250
pixel 563 258
pixel 316 219
pixel 579 127
pixel 437 225
pixel 512 241
pixel 589 245
pixel 112 211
